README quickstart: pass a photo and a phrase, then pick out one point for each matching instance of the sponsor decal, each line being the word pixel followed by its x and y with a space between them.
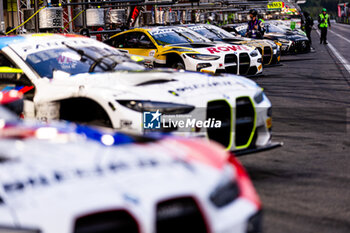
pixel 68 60
pixel 125 124
pixel 204 85
pixel 196 28
pixel 220 49
pixel 275 5
pixel 165 31
pixel 152 53
pixel 56 177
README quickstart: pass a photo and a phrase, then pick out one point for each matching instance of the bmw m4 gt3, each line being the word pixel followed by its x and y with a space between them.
pixel 53 182
pixel 291 42
pixel 181 48
pixel 82 80
pixel 269 50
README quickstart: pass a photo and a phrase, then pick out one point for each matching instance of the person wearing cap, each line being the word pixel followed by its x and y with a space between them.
pixel 255 27
pixel 324 23
pixel 210 20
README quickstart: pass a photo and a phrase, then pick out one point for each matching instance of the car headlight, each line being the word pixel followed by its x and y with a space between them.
pixel 153 106
pixel 225 193
pixel 203 57
pixel 18 230
pixel 254 53
pixel 259 97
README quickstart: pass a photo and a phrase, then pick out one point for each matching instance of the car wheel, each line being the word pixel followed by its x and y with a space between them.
pixel 178 65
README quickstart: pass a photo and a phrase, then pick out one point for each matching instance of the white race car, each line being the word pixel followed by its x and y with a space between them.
pixel 55 183
pixel 83 80
pixel 181 48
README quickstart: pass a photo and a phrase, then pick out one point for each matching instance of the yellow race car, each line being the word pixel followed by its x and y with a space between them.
pixel 182 48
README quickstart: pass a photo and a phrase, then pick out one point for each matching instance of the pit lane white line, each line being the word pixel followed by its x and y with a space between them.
pixel 342 25
pixel 342 60
pixel 347 40
pixel 340 28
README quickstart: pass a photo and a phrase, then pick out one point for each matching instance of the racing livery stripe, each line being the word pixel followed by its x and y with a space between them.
pixel 180 50
pixel 7 89
pixel 25 89
pixel 246 187
pixel 21 89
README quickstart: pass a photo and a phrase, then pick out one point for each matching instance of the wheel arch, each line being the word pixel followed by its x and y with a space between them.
pixel 84 110
pixel 174 57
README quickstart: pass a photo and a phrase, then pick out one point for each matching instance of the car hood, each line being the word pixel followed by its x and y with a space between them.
pixel 49 185
pixel 292 37
pixel 296 37
pixel 152 85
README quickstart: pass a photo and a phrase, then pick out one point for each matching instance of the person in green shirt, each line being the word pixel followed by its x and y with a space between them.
pixel 324 23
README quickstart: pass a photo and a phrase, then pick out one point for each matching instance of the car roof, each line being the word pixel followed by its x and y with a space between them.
pixel 8 40
pixel 197 24
pixel 155 28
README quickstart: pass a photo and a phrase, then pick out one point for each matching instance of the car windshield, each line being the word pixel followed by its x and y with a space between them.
pixel 242 30
pixel 177 36
pixel 273 28
pixel 220 32
pixel 206 32
pixel 79 59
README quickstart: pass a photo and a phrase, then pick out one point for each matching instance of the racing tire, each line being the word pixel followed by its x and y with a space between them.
pixel 178 64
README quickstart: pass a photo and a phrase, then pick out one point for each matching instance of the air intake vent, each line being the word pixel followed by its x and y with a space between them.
pixel 106 222
pixel 231 63
pixel 180 215
pixel 245 121
pixel 244 63
pixel 221 111
pixel 267 55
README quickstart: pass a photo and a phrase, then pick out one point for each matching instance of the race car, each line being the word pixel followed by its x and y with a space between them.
pixel 181 48
pixel 78 79
pixel 286 25
pixel 291 43
pixel 11 106
pixel 53 182
pixel 269 50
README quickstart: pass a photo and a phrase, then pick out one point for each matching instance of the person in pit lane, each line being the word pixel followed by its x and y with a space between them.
pixel 255 28
pixel 308 24
pixel 324 23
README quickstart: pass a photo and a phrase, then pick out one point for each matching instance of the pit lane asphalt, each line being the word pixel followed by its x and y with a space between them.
pixel 305 185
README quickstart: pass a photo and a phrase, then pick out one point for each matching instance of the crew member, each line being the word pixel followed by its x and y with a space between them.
pixel 309 22
pixel 210 20
pixel 255 27
pixel 324 23
pixel 84 32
